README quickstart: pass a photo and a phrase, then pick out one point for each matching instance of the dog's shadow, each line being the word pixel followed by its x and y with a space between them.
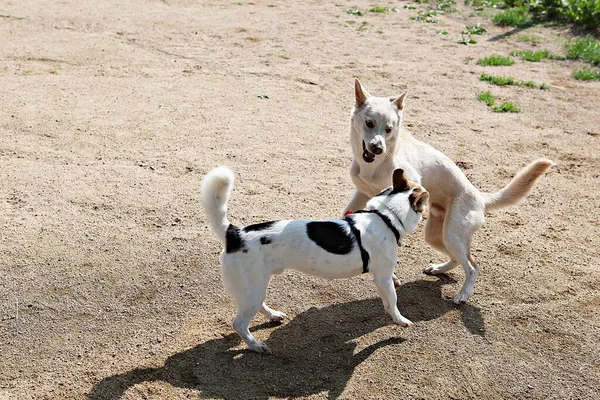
pixel 314 352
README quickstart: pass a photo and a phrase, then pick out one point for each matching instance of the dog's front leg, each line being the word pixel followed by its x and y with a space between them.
pixel 358 202
pixel 385 285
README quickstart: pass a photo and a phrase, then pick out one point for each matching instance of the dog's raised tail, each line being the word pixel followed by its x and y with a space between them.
pixel 518 187
pixel 216 189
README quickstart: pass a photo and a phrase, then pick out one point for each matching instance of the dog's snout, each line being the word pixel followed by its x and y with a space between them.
pixel 376 148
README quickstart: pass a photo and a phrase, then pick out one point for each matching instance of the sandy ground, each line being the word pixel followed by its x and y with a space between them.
pixel 110 115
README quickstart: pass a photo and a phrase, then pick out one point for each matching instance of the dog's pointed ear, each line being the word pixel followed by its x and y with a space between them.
pixel 399 101
pixel 399 181
pixel 418 200
pixel 360 93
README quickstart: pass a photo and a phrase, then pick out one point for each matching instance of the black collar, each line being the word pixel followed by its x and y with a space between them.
pixel 363 253
pixel 387 221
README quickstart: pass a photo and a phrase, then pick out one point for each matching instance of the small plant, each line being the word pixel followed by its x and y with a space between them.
pixel 409 7
pixel 363 26
pixel 441 32
pixel 446 5
pixel 533 39
pixel 465 38
pixel 479 4
pixel 496 61
pixel 587 49
pixel 474 29
pixel 380 31
pixel 515 17
pixel 427 16
pixel 355 11
pixel 529 55
pixel 509 80
pixel 378 9
pixel 487 98
pixel 586 75
pixel 506 107
pixel 498 80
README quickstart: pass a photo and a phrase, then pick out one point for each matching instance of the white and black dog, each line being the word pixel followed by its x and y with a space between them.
pixel 362 242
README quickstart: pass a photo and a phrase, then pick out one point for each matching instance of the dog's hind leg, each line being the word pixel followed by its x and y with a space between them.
pixel 249 303
pixel 458 236
pixel 248 286
pixel 268 312
pixel 434 236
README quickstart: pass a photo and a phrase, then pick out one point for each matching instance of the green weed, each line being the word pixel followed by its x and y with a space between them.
pixel 441 32
pixel 529 55
pixel 498 80
pixel 506 107
pixel 587 49
pixel 487 98
pixel 355 11
pixel 378 9
pixel 496 61
pixel 586 75
pixel 427 16
pixel 474 29
pixel 509 80
pixel 515 17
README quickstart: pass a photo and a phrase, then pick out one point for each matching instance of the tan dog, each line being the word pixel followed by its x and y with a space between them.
pixel 456 207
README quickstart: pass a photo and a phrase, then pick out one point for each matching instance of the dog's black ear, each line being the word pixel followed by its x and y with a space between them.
pixel 399 180
pixel 360 93
pixel 399 101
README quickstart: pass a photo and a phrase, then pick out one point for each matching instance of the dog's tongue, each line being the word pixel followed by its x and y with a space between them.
pixel 368 157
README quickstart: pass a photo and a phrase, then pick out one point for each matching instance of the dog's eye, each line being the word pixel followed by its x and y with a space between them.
pixel 370 124
pixel 388 130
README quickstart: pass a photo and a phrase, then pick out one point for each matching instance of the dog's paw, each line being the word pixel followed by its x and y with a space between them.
pixel 403 322
pixel 277 316
pixel 461 298
pixel 434 269
pixel 260 347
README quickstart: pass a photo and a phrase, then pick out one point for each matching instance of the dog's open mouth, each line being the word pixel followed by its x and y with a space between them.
pixel 367 155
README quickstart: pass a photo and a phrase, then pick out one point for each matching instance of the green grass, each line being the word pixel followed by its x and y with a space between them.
pixel 498 80
pixel 427 16
pixel 487 98
pixel 530 55
pixel 409 7
pixel 441 32
pixel 515 17
pixel 586 49
pixel 379 9
pixel 474 29
pixel 496 61
pixel 479 4
pixel 355 11
pixel 506 107
pixel 533 39
pixel 446 5
pixel 490 101
pixel 510 81
pixel 466 39
pixel 586 75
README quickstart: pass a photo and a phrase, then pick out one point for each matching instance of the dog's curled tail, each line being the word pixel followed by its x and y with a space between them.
pixel 216 189
pixel 518 187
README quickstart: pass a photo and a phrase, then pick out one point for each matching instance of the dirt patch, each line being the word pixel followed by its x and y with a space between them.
pixel 111 114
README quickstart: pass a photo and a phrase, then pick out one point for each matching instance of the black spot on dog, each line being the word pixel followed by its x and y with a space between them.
pixel 233 239
pixel 331 236
pixel 259 227
pixel 265 240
